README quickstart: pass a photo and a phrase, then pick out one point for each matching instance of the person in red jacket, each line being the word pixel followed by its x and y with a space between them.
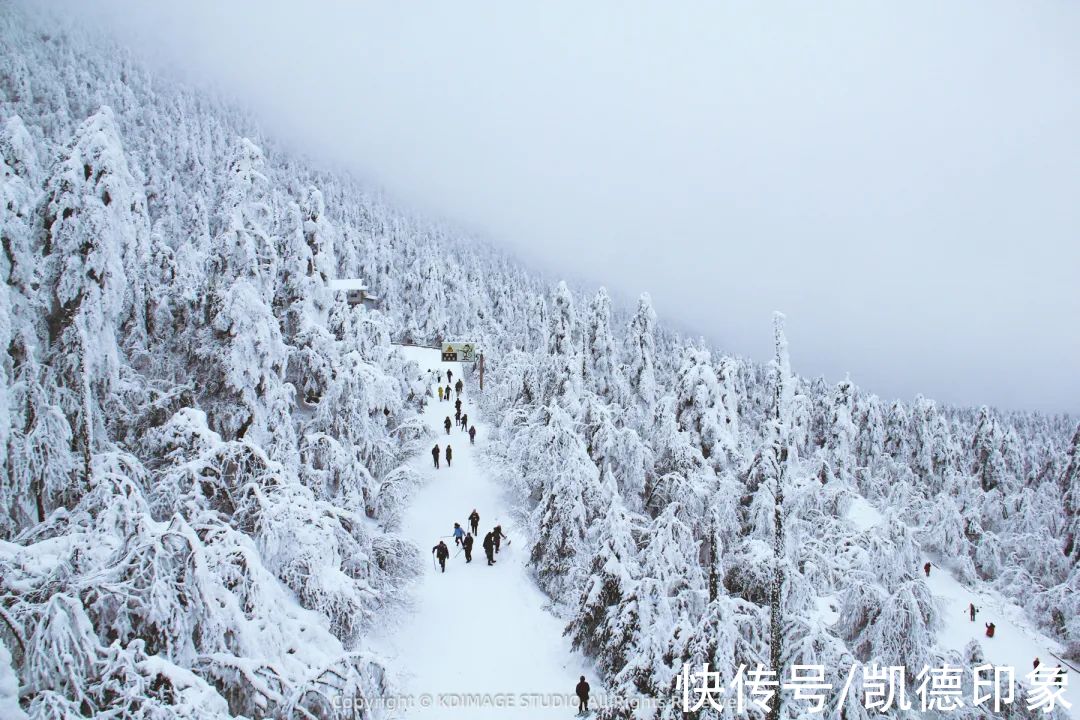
pixel 990 627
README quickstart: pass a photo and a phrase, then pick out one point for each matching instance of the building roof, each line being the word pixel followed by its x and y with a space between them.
pixel 348 284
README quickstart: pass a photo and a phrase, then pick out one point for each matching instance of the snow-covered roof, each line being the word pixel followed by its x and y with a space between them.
pixel 348 284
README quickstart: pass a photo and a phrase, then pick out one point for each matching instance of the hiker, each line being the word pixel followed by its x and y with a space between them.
pixel 457 405
pixel 464 421
pixel 440 393
pixel 449 379
pixel 990 627
pixel 459 534
pixel 926 568
pixel 489 549
pixel 459 387
pixel 457 416
pixel 446 393
pixel 474 521
pixel 472 435
pixel 435 455
pixel 446 424
pixel 467 544
pixel 497 536
pixel 441 552
pixel 972 611
pixel 449 455
pixel 1035 665
pixel 582 691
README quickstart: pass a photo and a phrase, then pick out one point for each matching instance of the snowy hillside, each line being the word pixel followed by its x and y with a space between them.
pixel 218 498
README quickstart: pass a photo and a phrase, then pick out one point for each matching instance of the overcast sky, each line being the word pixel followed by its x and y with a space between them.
pixel 902 179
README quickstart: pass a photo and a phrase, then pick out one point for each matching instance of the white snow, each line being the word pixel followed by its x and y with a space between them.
pixel 480 633
pixel 1015 643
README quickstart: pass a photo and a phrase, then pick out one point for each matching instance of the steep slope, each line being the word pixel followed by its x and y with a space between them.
pixel 480 641
pixel 1015 644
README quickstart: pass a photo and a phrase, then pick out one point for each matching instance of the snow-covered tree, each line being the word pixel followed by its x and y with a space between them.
pixel 601 368
pixel 641 355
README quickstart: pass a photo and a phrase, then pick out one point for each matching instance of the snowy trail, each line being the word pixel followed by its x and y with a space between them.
pixel 1015 643
pixel 477 630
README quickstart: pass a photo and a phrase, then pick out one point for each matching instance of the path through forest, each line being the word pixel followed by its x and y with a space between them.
pixel 479 635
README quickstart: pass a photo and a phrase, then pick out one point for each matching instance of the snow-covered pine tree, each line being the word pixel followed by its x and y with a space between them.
pixel 602 372
pixel 569 501
pixel 641 357
pixel 92 229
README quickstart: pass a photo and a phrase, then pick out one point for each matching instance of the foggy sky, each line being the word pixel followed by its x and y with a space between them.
pixel 902 179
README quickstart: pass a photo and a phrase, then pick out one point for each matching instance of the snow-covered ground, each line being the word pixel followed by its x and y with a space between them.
pixel 1015 643
pixel 479 635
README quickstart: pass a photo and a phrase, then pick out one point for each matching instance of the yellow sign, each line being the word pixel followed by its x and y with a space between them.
pixel 460 352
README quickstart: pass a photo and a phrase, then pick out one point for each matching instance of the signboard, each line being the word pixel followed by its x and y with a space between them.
pixel 460 352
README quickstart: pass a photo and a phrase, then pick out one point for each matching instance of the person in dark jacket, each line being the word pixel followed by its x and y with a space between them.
pixel 457 403
pixel 449 455
pixel 472 435
pixel 457 416
pixel 441 553
pixel 489 549
pixel 446 424
pixel 497 537
pixel 467 544
pixel 449 377
pixel 582 691
pixel 446 393
pixel 435 455
pixel 972 610
pixel 459 387
pixel 464 421
pixel 474 521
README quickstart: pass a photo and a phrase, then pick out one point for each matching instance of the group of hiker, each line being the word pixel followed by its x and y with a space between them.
pixel 991 628
pixel 465 539
pixel 438 453
pixel 444 394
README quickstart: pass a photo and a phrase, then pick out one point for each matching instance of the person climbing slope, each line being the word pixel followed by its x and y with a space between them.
pixel 449 455
pixel 459 534
pixel 926 569
pixel 972 610
pixel 464 421
pixel 449 378
pixel 990 627
pixel 440 393
pixel 446 424
pixel 446 393
pixel 459 387
pixel 457 404
pixel 435 455
pixel 497 537
pixel 467 545
pixel 474 521
pixel 441 553
pixel 489 549
pixel 472 435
